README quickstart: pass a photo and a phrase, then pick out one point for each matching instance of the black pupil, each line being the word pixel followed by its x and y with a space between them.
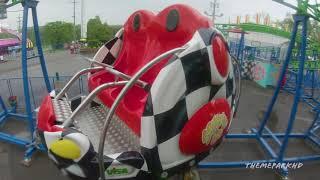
pixel 172 20
pixel 136 22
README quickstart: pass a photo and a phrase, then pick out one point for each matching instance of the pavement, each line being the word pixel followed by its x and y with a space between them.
pixel 60 61
pixel 252 104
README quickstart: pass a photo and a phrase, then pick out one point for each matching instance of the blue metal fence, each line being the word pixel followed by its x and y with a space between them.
pixel 13 87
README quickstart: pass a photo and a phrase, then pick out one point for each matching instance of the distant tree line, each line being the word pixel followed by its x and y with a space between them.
pixel 56 34
pixel 313 30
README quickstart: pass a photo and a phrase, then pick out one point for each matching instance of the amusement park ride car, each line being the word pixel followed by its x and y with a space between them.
pixel 169 80
pixel 163 94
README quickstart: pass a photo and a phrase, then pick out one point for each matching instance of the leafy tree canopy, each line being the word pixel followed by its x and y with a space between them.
pixel 98 32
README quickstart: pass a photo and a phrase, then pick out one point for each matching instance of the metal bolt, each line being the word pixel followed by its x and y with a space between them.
pixel 192 163
pixel 164 175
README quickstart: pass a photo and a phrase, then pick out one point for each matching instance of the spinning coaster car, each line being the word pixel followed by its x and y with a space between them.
pixel 162 97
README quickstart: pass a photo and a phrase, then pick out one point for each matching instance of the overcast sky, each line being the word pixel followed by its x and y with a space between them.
pixel 117 11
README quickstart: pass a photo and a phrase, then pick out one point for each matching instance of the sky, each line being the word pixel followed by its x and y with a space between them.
pixel 117 11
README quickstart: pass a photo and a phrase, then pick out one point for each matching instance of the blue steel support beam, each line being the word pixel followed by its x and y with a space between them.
pixel 267 147
pixel 3 106
pixel 3 117
pixel 314 139
pixel 274 137
pixel 233 164
pixel 241 47
pixel 312 126
pixel 20 116
pixel 39 47
pixel 26 88
pixel 241 164
pixel 304 20
pixel 12 139
pixel 254 136
pixel 282 74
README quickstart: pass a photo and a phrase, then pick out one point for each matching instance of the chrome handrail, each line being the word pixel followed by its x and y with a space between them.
pixel 115 72
pixel 104 67
pixel 90 98
pixel 115 104
pixel 92 61
pixel 237 76
pixel 74 78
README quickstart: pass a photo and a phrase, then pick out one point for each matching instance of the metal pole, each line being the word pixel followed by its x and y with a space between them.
pixel 25 68
pixel 3 106
pixel 213 6
pixel 214 11
pixel 74 78
pixel 19 23
pixel 312 83
pixel 302 58
pixel 74 20
pixel 282 74
pixel 82 20
pixel 39 47
pixel 240 48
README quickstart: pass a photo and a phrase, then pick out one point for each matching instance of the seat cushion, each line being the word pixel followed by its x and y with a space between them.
pixel 130 108
pixel 145 37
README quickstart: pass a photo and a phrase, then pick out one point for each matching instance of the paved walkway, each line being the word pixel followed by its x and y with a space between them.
pixel 61 61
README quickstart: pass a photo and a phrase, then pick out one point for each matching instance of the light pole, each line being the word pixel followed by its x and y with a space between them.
pixel 82 19
pixel 213 7
pixel 74 20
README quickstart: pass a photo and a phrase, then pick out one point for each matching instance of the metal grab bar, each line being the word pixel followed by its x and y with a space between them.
pixel 89 98
pixel 237 76
pixel 96 62
pixel 115 104
pixel 115 72
pixel 104 67
pixel 74 78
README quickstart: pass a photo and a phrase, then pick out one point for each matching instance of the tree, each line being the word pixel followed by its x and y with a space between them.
pixel 313 29
pixel 57 34
pixel 6 35
pixel 97 32
pixel 286 24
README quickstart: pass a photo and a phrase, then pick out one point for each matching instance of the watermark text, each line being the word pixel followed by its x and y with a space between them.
pixel 274 165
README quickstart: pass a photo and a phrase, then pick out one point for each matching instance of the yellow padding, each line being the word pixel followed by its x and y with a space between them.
pixel 66 149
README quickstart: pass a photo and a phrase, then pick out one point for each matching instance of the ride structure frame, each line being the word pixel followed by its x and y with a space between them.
pixel 31 143
pixel 262 134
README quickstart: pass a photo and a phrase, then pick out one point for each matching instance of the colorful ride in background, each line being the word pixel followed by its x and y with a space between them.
pixel 260 49
pixel 264 50
pixel 10 48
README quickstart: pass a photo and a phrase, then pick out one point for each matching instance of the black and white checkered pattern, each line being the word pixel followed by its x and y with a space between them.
pixel 247 69
pixel 75 167
pixel 109 52
pixel 186 83
pixel 131 160
pixel 87 166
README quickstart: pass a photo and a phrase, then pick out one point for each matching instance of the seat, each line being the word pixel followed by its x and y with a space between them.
pixel 145 37
pixel 157 130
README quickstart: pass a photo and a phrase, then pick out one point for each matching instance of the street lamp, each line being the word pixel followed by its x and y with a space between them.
pixel 213 5
pixel 3 9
